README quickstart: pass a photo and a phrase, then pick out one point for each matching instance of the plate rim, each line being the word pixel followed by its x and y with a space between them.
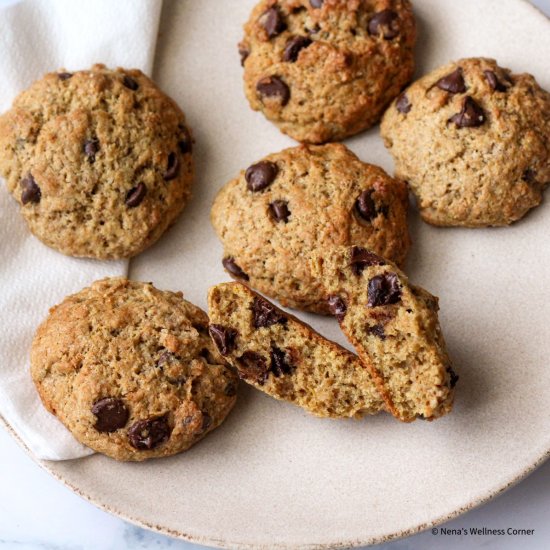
pixel 204 540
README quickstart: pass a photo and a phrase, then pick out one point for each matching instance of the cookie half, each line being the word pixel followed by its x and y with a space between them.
pixel 131 370
pixel 99 161
pixel 306 198
pixel 322 70
pixel 394 327
pixel 472 140
pixel 287 359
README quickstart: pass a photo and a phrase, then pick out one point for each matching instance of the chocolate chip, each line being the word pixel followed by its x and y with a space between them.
pixel 279 211
pixel 279 364
pixel 64 76
pixel 150 433
pixel 136 195
pixel 200 328
pixel 453 82
pixel 313 30
pixel 91 147
pixel 184 146
pixel 364 206
pixel 231 266
pixel 377 330
pixel 253 367
pixel 385 22
pixel 453 377
pixel 30 190
pixel 494 82
pixel 361 258
pixel 470 116
pixel 260 175
pixel 402 104
pixel 244 53
pixel 273 22
pixel 129 82
pixel 529 176
pixel 223 337
pixel 316 4
pixel 186 143
pixel 206 421
pixel 112 414
pixel 172 167
pixel 294 46
pixel 384 290
pixel 337 307
pixel 265 314
pixel 273 86
pixel 230 390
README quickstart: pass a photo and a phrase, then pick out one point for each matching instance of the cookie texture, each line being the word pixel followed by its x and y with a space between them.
pixel 131 370
pixel 394 327
pixel 306 198
pixel 473 142
pixel 99 161
pixel 287 359
pixel 322 70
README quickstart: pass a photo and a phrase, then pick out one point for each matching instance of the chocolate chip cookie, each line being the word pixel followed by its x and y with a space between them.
pixel 394 327
pixel 305 198
pixel 472 140
pixel 99 161
pixel 131 370
pixel 287 359
pixel 322 70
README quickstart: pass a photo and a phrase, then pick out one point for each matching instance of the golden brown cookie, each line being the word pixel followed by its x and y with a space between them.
pixel 306 198
pixel 131 371
pixel 287 359
pixel 394 327
pixel 325 70
pixel 99 161
pixel 473 142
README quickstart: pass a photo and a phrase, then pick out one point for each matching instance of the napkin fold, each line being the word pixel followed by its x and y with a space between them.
pixel 40 36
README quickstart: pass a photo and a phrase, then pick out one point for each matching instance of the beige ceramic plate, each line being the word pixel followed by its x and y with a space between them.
pixel 273 476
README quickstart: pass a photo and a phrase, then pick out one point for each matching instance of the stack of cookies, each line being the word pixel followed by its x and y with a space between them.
pixel 100 162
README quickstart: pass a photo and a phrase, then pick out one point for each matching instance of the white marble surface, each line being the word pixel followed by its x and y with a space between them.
pixel 37 512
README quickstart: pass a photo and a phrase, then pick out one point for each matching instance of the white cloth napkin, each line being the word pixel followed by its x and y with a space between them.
pixel 40 36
